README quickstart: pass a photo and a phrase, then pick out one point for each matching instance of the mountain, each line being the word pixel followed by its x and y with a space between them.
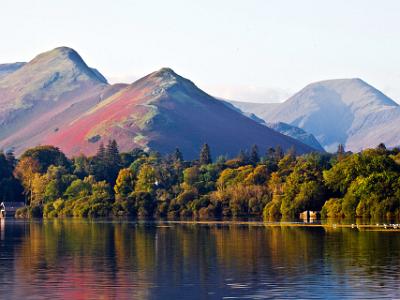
pixel 297 133
pixel 45 94
pixel 6 69
pixel 252 116
pixel 342 111
pixel 286 129
pixel 163 111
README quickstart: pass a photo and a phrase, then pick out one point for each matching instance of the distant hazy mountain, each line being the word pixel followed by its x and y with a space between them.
pixel 231 105
pixel 297 133
pixel 163 111
pixel 45 94
pixel 346 111
pixel 286 129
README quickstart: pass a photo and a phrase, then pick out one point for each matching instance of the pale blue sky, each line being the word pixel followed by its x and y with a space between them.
pixel 255 50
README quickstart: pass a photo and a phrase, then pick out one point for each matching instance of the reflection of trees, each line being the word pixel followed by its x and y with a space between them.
pixel 365 254
pixel 141 260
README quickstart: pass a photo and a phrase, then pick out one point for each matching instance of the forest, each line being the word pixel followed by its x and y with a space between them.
pixel 144 184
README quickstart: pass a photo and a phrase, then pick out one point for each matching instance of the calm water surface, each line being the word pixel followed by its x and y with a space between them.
pixel 70 259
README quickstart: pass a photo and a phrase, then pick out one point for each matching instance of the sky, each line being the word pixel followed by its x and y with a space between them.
pixel 248 50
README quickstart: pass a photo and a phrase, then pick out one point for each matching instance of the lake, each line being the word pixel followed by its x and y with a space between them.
pixel 82 259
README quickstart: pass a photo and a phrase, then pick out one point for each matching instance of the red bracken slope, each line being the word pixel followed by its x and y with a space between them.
pixel 163 111
pixel 45 94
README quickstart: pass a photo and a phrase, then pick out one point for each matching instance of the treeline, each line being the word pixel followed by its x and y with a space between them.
pixel 145 184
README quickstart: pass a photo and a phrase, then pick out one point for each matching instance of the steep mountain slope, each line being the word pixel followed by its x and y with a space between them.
pixel 44 94
pixel 297 133
pixel 343 111
pixel 6 69
pixel 163 111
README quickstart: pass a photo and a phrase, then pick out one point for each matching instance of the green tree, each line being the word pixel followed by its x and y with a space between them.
pixel 125 183
pixel 25 172
pixel 46 156
pixel 146 179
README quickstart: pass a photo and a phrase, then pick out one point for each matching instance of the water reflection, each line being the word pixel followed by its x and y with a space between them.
pixel 138 260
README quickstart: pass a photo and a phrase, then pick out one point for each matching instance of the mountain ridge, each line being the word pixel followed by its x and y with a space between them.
pixel 337 111
pixel 162 111
pixel 49 89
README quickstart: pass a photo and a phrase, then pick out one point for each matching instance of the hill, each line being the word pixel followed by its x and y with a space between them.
pixel 45 94
pixel 341 111
pixel 163 111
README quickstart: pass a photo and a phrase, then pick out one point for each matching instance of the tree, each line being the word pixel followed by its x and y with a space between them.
pixel 205 155
pixel 39 183
pixel 243 158
pixel 278 153
pixel 112 154
pixel 146 179
pixel 178 156
pixel 112 161
pixel 101 152
pixel 254 157
pixel 25 171
pixel 46 156
pixel 10 187
pixel 125 183
pixel 340 152
pixel 381 147
pixel 11 160
pixel 81 165
pixel 99 163
pixel 270 154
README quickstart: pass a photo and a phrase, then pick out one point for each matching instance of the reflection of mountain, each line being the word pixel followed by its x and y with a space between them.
pixel 82 259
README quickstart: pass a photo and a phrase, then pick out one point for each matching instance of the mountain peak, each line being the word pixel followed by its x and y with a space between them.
pixel 60 53
pixel 65 59
pixel 353 92
pixel 165 78
pixel 167 71
pixel 165 74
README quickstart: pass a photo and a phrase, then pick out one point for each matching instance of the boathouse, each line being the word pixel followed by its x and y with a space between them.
pixel 9 208
pixel 309 214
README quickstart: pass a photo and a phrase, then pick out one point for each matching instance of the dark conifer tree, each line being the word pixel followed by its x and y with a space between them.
pixel 381 146
pixel 243 158
pixel 178 156
pixel 340 152
pixel 270 154
pixel 10 157
pixel 292 152
pixel 278 153
pixel 112 154
pixel 254 157
pixel 98 164
pixel 112 161
pixel 205 155
pixel 101 152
